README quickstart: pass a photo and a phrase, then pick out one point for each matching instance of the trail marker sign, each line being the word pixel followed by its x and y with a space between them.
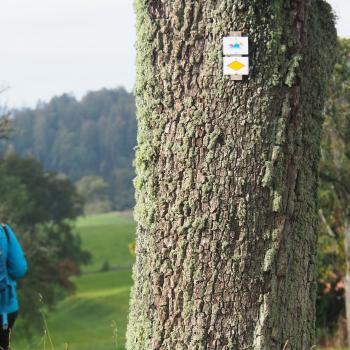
pixel 234 47
pixel 236 65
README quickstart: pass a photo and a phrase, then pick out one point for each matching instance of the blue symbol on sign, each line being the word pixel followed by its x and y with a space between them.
pixel 236 46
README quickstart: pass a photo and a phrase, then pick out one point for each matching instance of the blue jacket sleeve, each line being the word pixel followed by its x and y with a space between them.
pixel 16 261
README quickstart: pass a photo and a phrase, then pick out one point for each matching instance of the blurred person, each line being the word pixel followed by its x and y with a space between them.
pixel 13 266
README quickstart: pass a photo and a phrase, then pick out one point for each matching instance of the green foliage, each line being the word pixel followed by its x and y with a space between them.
pixel 6 129
pixel 334 194
pixel 106 266
pixel 40 205
pixel 50 197
pixel 92 137
pixel 93 189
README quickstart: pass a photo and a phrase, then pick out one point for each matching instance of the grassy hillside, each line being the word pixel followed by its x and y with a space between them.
pixel 88 319
pixel 107 237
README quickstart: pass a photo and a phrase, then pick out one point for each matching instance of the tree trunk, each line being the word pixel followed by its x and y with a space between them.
pixel 226 183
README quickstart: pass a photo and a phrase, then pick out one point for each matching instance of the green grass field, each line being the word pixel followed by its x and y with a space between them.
pixel 107 237
pixel 88 319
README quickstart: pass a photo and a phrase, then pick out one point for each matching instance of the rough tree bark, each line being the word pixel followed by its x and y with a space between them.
pixel 227 174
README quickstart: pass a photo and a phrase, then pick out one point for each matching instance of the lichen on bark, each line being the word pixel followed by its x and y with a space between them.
pixel 227 174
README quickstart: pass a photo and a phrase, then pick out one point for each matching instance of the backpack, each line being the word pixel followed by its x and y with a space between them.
pixel 5 287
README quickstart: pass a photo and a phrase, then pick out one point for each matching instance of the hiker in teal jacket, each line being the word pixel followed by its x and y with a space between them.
pixel 16 263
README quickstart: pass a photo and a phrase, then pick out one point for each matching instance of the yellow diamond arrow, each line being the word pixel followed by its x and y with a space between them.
pixel 235 65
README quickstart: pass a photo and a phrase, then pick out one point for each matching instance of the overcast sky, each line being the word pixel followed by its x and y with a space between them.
pixel 49 47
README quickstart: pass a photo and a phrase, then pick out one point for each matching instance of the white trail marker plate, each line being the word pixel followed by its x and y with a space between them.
pixel 235 45
pixel 236 65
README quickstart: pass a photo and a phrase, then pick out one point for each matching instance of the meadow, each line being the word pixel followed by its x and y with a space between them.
pixel 95 316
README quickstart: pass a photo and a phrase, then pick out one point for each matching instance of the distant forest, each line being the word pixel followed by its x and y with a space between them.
pixel 92 141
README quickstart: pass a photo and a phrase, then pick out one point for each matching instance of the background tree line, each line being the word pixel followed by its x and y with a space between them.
pixel 92 141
